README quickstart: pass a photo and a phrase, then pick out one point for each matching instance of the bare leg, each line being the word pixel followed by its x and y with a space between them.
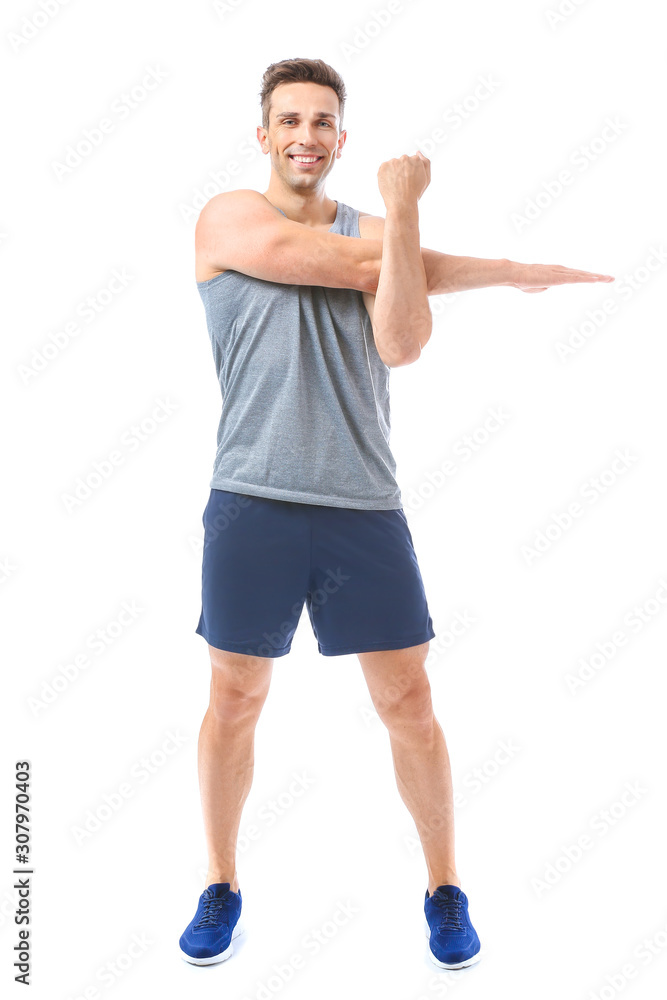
pixel 401 693
pixel 239 686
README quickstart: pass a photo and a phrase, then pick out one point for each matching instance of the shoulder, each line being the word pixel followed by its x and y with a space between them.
pixel 229 205
pixel 371 227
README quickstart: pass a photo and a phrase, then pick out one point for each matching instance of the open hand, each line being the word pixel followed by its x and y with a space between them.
pixel 540 277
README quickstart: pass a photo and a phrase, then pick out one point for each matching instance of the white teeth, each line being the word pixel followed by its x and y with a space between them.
pixel 304 159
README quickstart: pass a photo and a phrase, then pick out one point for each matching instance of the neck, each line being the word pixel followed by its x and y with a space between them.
pixel 310 208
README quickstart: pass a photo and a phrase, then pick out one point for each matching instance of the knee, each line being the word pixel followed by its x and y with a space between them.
pixel 407 705
pixel 237 696
pixel 231 705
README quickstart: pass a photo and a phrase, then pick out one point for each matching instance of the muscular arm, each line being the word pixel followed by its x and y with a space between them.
pixel 242 231
pixel 399 310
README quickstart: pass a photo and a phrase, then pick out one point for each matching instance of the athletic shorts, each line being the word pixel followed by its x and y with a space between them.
pixel 356 570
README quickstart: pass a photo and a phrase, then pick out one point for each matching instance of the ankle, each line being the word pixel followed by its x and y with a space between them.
pixel 450 878
pixel 213 877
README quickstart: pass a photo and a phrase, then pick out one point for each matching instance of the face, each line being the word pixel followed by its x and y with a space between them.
pixel 303 137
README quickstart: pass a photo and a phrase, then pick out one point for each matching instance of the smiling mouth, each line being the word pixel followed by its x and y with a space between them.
pixel 298 158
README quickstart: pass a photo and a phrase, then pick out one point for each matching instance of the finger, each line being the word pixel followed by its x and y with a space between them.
pixel 578 275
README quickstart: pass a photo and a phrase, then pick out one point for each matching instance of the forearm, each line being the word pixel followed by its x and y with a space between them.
pixel 445 273
pixel 401 315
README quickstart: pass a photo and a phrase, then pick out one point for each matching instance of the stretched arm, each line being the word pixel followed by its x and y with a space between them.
pixel 446 273
pixel 242 231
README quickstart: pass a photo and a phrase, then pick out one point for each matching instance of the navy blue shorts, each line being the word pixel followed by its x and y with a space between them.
pixel 356 570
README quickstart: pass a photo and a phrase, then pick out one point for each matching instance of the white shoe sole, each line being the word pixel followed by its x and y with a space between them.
pixel 450 965
pixel 227 953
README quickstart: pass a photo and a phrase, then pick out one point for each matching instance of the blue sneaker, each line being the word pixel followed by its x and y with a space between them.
pixel 453 941
pixel 208 937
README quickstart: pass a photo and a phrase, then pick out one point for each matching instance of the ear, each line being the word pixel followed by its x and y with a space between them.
pixel 262 136
pixel 341 142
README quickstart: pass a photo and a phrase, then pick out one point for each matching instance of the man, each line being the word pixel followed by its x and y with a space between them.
pixel 309 304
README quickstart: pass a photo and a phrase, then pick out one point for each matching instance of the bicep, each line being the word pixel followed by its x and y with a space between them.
pixel 237 230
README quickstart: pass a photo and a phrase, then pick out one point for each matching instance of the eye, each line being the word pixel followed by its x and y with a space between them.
pixel 323 122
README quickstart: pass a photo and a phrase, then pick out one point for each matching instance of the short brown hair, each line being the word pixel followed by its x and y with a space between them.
pixel 300 71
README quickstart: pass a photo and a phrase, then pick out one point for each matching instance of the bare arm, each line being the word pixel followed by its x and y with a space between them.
pixel 401 317
pixel 242 231
pixel 448 273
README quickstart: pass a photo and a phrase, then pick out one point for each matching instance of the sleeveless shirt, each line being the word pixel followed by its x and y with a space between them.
pixel 305 395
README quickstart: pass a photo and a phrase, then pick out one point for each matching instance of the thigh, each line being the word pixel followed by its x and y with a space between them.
pixel 397 680
pixel 366 591
pixel 254 573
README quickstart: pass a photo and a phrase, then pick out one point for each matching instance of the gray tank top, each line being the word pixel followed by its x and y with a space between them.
pixel 305 394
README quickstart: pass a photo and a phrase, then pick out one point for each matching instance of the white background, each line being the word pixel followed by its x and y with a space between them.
pixel 137 538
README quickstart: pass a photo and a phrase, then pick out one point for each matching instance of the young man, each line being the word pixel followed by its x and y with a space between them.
pixel 309 304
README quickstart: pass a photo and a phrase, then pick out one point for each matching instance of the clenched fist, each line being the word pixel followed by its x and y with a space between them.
pixel 404 179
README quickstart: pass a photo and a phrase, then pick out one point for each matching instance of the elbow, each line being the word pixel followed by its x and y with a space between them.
pixel 402 353
pixel 402 359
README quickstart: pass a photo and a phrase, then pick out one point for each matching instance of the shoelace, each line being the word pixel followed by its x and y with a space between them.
pixel 211 912
pixel 452 912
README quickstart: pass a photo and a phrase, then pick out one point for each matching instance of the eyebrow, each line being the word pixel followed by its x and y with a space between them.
pixel 295 114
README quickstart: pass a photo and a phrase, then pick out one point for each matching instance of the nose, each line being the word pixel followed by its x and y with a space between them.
pixel 306 136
